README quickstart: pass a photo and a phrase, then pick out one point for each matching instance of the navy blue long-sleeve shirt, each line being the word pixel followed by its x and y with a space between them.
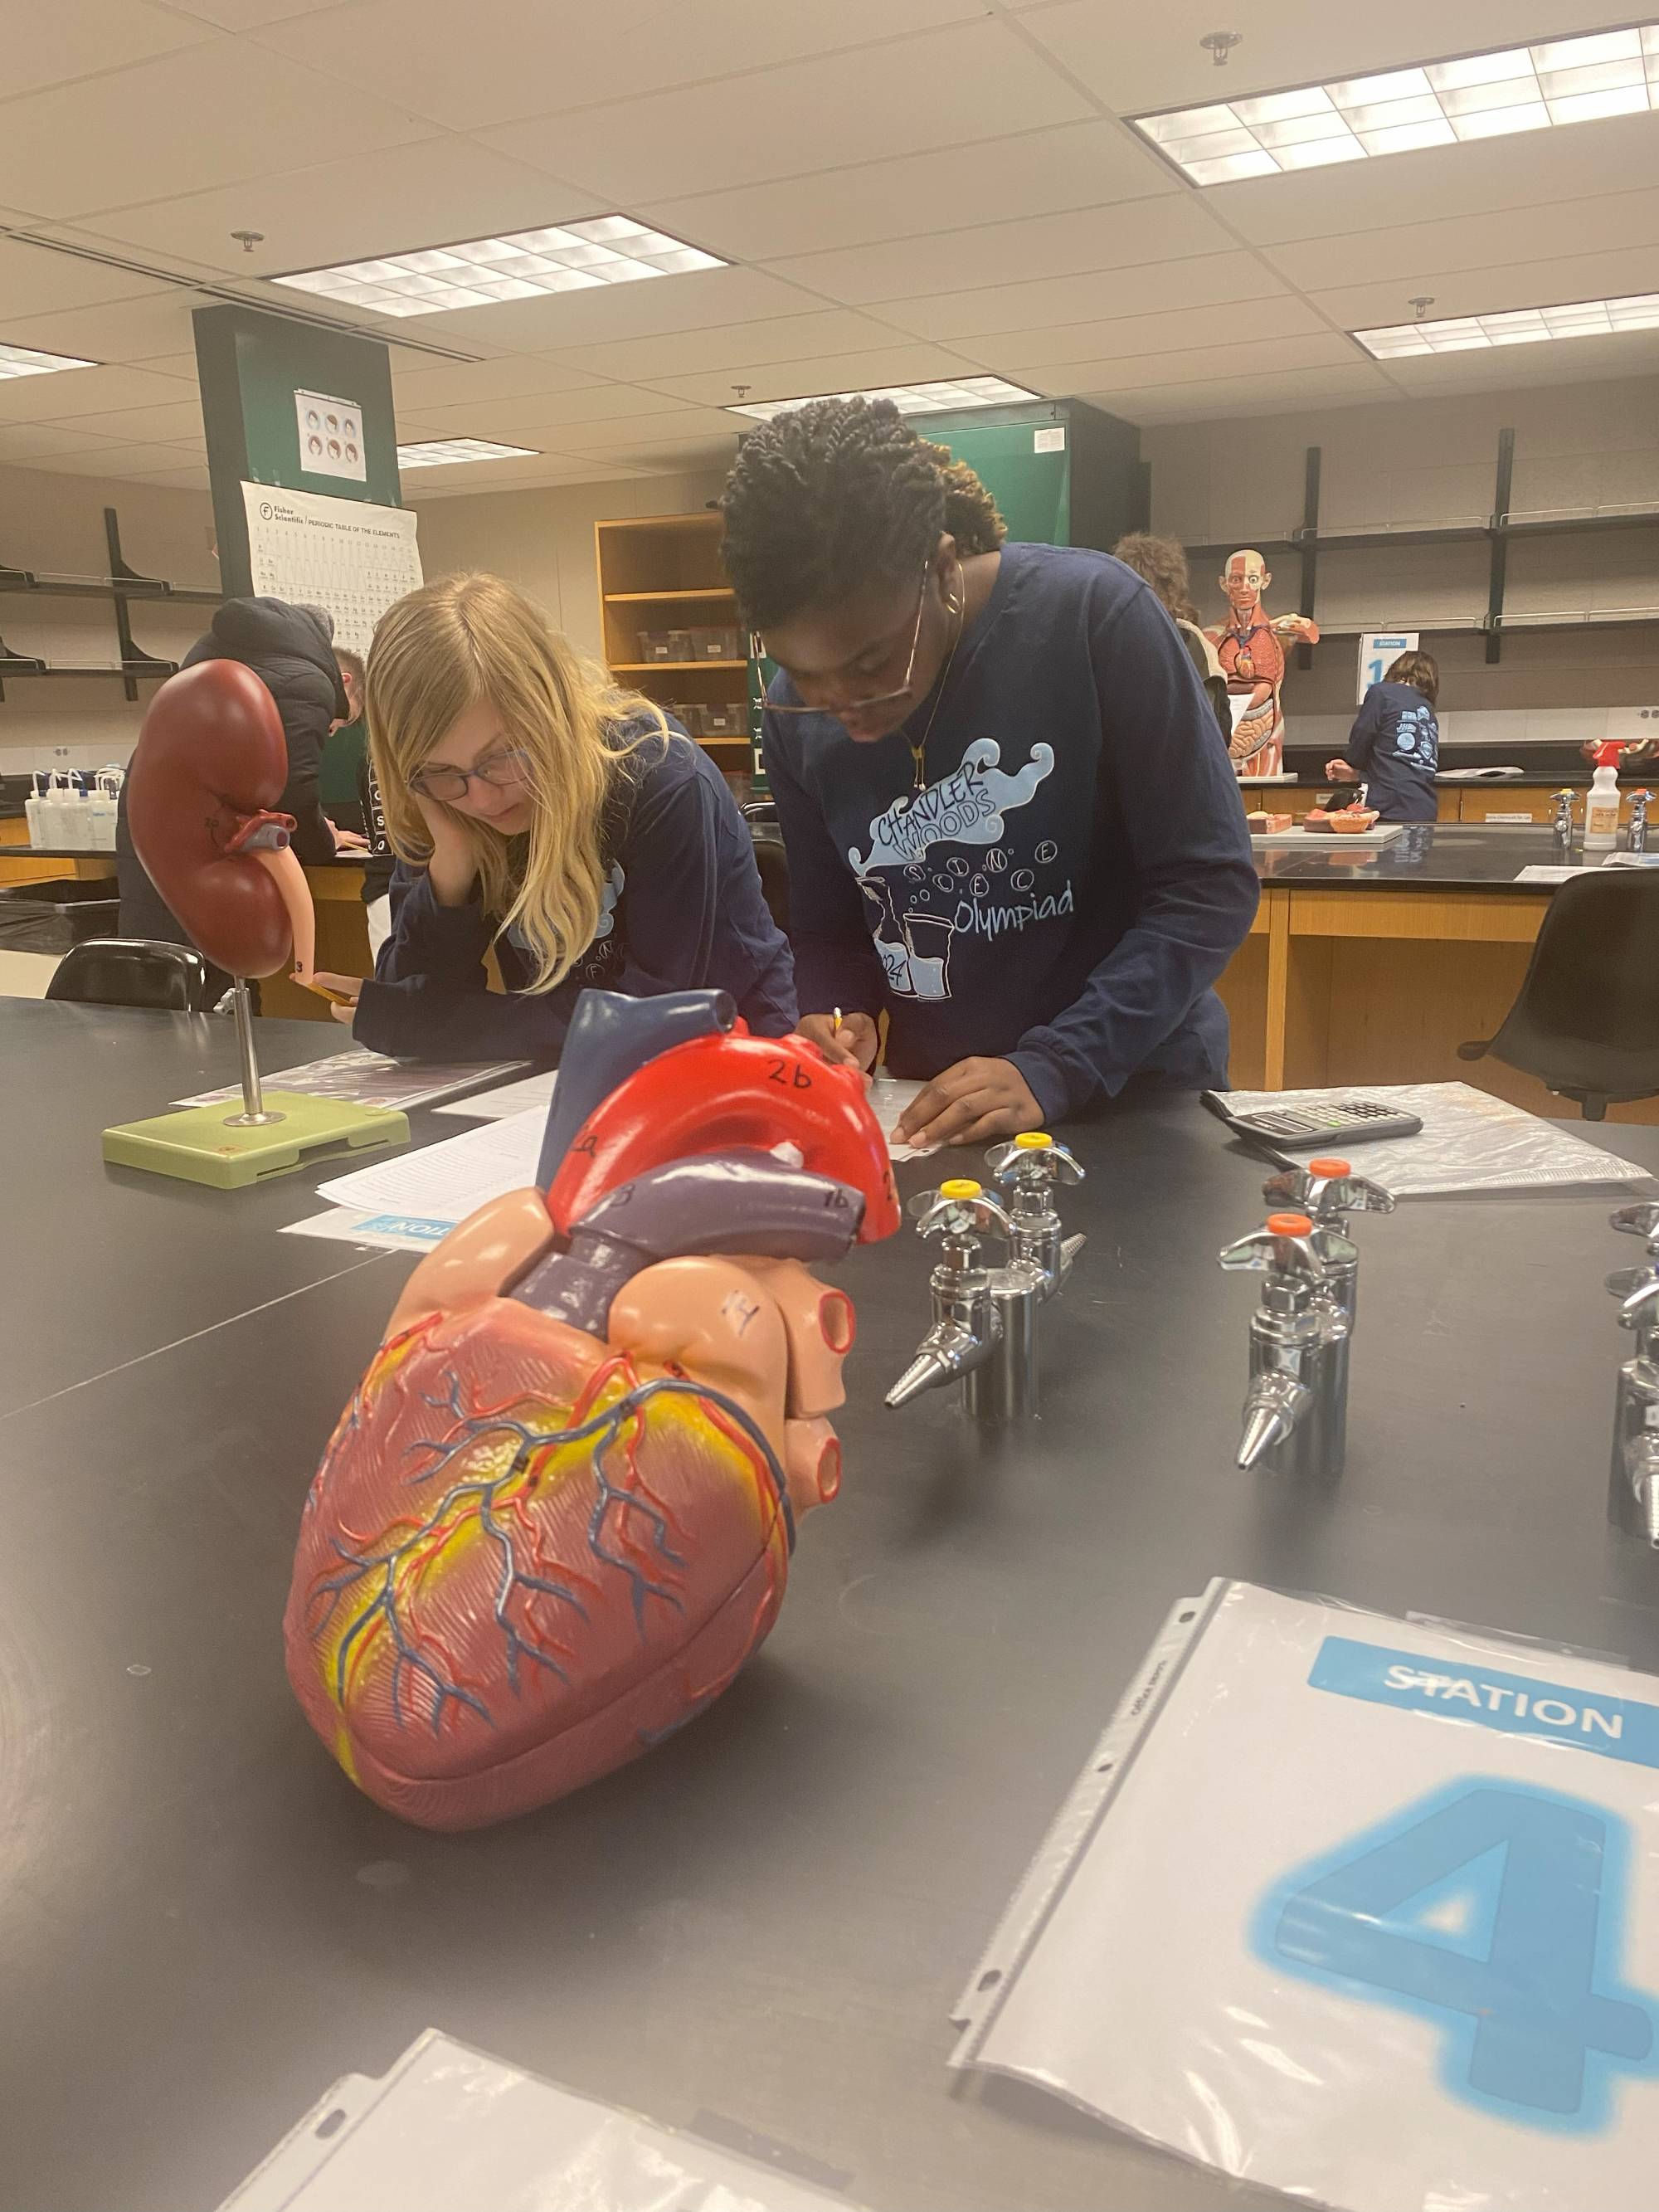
pixel 1077 873
pixel 1394 744
pixel 682 909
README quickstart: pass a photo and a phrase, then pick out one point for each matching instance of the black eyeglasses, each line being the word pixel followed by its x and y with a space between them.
pixel 881 699
pixel 502 771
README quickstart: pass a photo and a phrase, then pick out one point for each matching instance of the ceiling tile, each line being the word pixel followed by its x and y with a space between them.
pixel 687 425
pixel 563 320
pixel 177 422
pixel 1006 252
pixel 1119 337
pixel 1262 356
pixel 365 204
pixel 70 393
pixel 48 45
pixel 741 345
pixel 157 325
pixel 1473 242
pixel 36 281
pixel 515 58
pixel 420 382
pixel 542 416
pixel 948 89
pixel 1245 395
pixel 189 121
pixel 118 461
pixel 1208 280
pixel 898 362
pixel 186 479
pixel 24 442
pixel 1073 165
pixel 547 472
pixel 1158 62
pixel 1494 176
pixel 249 14
pixel 1479 291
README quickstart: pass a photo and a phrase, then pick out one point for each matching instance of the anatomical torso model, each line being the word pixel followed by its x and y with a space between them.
pixel 555 1518
pixel 1250 647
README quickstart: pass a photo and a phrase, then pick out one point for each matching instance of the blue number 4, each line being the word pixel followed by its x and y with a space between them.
pixel 1502 1908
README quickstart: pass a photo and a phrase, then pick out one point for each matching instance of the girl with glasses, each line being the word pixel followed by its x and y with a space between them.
pixel 540 814
pixel 1011 820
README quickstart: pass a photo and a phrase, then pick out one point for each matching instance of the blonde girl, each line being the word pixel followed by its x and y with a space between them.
pixel 539 813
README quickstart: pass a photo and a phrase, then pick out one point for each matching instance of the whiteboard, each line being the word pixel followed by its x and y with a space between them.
pixel 342 554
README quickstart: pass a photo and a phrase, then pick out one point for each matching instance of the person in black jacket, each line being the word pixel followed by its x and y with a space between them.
pixel 290 649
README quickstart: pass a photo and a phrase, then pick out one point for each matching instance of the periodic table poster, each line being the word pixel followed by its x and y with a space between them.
pixel 342 554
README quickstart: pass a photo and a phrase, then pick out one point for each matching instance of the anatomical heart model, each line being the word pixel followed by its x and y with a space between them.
pixel 556 1517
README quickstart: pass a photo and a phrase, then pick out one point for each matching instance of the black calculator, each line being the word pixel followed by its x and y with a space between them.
pixel 1331 1121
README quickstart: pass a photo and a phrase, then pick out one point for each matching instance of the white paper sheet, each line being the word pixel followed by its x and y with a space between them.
pixel 1469 1141
pixel 888 1096
pixel 362 1077
pixel 508 1099
pixel 447 1181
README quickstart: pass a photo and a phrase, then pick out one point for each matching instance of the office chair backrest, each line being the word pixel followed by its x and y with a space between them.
pixel 1586 1020
pixel 132 971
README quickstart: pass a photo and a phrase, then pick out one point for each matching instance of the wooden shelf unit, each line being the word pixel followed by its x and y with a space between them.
pixel 663 572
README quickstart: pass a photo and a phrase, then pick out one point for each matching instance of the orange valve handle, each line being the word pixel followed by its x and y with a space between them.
pixel 1329 1168
pixel 1289 1225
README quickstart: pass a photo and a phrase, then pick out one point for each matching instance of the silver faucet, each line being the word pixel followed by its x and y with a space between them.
pixel 1029 1169
pixel 1637 841
pixel 984 1326
pixel 1330 1191
pixel 1295 1408
pixel 1563 815
pixel 1633 1479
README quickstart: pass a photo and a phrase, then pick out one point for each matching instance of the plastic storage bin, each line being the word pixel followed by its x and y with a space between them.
pixel 714 645
pixel 730 719
pixel 668 645
pixel 50 917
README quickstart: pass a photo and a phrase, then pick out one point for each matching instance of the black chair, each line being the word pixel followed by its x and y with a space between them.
pixel 770 859
pixel 1586 1019
pixel 134 971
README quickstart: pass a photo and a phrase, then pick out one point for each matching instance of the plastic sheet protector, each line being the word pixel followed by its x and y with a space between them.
pixel 1469 1141
pixel 362 1077
pixel 1362 1909
pixel 450 2130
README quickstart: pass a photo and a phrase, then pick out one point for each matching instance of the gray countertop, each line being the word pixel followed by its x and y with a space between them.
pixel 1436 856
pixel 762 1926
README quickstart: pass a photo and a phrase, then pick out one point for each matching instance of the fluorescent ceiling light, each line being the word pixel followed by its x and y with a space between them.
pixel 1583 318
pixel 909 398
pixel 611 249
pixel 1436 104
pixel 18 360
pixel 444 453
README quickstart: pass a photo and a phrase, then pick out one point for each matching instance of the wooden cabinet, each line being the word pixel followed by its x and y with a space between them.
pixel 671 629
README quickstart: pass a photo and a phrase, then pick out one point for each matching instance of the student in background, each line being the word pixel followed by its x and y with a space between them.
pixel 1011 820
pixel 1394 747
pixel 542 815
pixel 1161 563
pixel 290 649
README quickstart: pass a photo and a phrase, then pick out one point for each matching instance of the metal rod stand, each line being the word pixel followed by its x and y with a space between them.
pixel 254 1115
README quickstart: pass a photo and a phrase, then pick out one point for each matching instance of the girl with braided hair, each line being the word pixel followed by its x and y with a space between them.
pixel 1011 820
